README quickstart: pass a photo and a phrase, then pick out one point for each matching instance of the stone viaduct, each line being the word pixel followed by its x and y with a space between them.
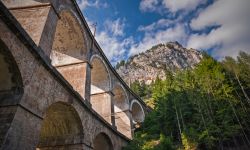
pixel 57 88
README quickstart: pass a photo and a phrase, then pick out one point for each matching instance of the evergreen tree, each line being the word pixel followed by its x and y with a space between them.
pixel 201 108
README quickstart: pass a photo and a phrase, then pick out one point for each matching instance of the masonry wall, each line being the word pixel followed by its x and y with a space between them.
pixel 44 85
pixel 41 89
pixel 78 78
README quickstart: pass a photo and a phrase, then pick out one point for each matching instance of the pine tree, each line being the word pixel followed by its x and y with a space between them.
pixel 199 108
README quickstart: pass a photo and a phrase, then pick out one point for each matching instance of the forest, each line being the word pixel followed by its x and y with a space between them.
pixel 203 108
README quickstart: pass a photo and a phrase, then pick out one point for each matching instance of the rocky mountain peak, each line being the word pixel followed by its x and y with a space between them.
pixel 154 62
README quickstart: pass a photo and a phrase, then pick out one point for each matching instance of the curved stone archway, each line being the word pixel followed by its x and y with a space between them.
pixel 121 110
pixel 69 51
pixel 46 106
pixel 11 89
pixel 100 77
pixel 69 45
pixel 137 111
pixel 100 88
pixel 102 142
pixel 61 127
pixel 10 76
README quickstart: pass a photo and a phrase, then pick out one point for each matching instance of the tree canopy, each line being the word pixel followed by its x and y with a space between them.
pixel 206 107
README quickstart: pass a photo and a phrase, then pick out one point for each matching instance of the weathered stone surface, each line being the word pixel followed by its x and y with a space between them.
pixel 44 85
pixel 76 75
pixel 101 103
pixel 23 3
pixel 6 116
pixel 27 17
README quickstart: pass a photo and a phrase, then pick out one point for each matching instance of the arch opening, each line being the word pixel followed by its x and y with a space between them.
pixel 100 78
pixel 68 45
pixel 100 89
pixel 11 89
pixel 10 76
pixel 121 111
pixel 61 126
pixel 69 51
pixel 137 112
pixel 102 142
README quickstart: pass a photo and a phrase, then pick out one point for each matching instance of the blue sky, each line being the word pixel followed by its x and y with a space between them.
pixel 128 27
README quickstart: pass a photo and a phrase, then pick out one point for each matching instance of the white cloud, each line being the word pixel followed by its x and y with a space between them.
pixel 113 48
pixel 156 25
pixel 82 4
pixel 160 24
pixel 115 27
pixel 171 5
pixel 176 33
pixel 175 5
pixel 149 5
pixel 231 16
pixel 109 39
pixel 232 35
pixel 87 3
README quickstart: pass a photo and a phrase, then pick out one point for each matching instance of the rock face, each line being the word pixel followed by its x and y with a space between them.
pixel 154 62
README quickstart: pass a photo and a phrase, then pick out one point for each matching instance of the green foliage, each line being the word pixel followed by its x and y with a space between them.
pixel 203 108
pixel 188 144
pixel 141 89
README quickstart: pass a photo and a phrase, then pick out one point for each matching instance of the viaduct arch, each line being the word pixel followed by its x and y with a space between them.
pixel 121 110
pixel 100 98
pixel 138 114
pixel 102 142
pixel 57 87
pixel 11 88
pixel 60 127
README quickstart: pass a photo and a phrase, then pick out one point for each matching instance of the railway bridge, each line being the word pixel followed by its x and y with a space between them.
pixel 57 88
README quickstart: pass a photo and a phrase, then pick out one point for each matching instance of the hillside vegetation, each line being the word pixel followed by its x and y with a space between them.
pixel 207 107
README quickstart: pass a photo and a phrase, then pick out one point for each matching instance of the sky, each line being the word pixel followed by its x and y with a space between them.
pixel 128 27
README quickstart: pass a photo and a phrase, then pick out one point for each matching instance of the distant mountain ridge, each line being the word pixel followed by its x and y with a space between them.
pixel 154 62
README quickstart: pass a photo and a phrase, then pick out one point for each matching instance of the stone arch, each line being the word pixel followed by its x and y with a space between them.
pixel 69 45
pixel 100 76
pixel 61 127
pixel 102 142
pixel 10 76
pixel 121 110
pixel 65 7
pixel 69 51
pixel 100 88
pixel 11 89
pixel 137 112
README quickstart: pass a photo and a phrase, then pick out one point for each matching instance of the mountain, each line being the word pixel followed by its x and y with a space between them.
pixel 154 62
